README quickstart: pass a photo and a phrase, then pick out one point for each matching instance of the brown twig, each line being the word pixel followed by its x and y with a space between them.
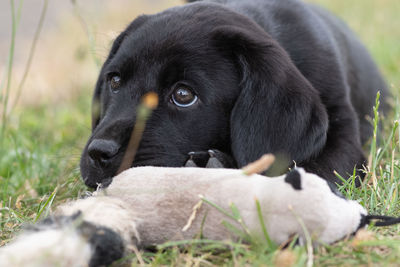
pixel 259 165
pixel 144 110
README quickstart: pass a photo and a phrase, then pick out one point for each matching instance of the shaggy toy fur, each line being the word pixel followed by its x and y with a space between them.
pixel 147 206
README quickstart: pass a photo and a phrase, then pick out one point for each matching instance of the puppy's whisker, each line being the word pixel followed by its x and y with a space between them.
pixel 148 104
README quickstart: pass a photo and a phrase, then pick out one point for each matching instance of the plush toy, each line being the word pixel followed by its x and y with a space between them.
pixel 147 206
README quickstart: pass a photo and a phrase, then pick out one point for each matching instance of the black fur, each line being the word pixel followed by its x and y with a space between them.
pixel 279 77
pixel 335 190
pixel 294 179
pixel 107 245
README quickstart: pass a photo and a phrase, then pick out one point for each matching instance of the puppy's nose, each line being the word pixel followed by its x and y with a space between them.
pixel 101 151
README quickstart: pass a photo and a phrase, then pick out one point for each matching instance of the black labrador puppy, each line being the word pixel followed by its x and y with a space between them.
pixel 241 77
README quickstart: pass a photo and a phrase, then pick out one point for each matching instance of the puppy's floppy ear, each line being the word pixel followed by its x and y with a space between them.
pixel 278 110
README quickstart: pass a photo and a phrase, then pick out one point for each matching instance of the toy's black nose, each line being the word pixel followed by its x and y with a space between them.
pixel 102 151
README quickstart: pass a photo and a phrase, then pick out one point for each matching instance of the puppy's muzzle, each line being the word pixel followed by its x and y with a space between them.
pixel 101 152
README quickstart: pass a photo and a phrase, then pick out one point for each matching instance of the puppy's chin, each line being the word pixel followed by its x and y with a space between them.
pixel 156 163
pixel 95 176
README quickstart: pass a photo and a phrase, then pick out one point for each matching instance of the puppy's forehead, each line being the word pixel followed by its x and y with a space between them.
pixel 173 45
pixel 175 32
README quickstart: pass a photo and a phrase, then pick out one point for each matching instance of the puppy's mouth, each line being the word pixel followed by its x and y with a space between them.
pixel 97 177
pixel 105 182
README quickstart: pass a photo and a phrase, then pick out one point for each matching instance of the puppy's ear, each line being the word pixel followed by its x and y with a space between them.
pixel 278 110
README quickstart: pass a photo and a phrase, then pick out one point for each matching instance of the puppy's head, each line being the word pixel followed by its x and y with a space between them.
pixel 222 83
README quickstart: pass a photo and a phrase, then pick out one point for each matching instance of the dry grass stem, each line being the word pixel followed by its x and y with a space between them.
pixel 260 165
pixel 192 216
pixel 148 104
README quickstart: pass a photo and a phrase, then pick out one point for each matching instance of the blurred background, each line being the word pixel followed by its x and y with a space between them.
pixel 74 40
pixel 76 36
pixel 46 82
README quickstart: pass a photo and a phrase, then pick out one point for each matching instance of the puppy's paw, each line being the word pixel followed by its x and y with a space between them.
pixel 210 159
pixel 197 159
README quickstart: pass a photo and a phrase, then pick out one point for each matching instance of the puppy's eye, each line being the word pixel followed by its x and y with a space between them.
pixel 183 97
pixel 115 83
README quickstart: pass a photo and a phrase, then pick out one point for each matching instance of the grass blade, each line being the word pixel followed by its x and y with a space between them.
pixel 47 205
pixel 271 244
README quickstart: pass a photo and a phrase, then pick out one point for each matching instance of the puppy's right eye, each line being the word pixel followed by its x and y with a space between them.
pixel 115 83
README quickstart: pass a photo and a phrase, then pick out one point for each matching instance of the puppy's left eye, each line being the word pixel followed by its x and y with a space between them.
pixel 183 97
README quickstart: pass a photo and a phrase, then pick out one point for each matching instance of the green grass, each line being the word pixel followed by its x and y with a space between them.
pixel 37 157
pixel 40 148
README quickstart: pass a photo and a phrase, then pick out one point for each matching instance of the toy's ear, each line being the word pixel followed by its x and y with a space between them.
pixel 278 110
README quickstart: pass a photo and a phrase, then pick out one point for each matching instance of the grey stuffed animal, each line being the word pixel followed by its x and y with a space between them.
pixel 147 206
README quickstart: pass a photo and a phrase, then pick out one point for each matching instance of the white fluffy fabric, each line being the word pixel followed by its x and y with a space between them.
pixel 61 248
pixel 162 199
pixel 154 204
pixel 151 205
